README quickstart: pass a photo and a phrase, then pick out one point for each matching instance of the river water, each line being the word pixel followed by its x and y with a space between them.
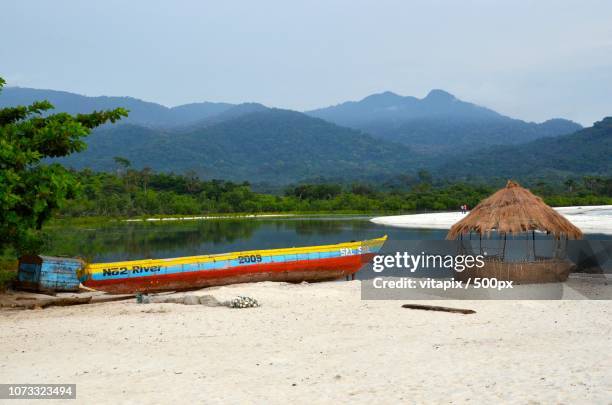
pixel 117 241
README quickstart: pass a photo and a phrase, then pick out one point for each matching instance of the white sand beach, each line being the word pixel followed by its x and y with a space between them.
pixel 590 219
pixel 207 217
pixel 314 343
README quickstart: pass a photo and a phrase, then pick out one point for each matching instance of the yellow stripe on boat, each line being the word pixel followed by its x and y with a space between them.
pixel 98 267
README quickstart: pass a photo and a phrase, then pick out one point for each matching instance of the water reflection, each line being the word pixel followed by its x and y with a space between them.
pixel 131 241
pixel 127 241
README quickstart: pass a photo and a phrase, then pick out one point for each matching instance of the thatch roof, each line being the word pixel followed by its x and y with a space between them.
pixel 514 210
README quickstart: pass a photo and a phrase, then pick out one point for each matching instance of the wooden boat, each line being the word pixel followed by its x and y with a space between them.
pixel 312 263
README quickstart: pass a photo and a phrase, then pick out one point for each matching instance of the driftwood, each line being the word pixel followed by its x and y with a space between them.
pixel 58 302
pixel 111 298
pixel 28 303
pixel 436 308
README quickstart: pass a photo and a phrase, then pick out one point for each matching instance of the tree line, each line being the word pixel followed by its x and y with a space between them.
pixel 129 193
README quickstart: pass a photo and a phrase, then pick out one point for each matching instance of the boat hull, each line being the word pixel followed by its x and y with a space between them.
pixel 317 263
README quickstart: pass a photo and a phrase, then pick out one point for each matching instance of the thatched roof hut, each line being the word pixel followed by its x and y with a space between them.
pixel 514 210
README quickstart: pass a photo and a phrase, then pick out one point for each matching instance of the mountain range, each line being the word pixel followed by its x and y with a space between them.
pixel 141 112
pixel 269 146
pixel 588 151
pixel 382 135
pixel 438 123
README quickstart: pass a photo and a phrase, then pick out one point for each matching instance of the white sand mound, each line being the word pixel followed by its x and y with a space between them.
pixel 590 219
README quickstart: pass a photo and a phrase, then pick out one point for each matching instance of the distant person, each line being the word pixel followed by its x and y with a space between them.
pixel 462 208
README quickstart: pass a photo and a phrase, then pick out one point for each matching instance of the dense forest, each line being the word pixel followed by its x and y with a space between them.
pixel 588 151
pixel 128 193
pixel 273 146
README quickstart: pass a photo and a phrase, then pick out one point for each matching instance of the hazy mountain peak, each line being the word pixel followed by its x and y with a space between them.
pixel 386 96
pixel 438 123
pixel 606 122
pixel 439 95
pixel 250 106
pixel 393 109
pixel 238 111
pixel 141 112
pixel 560 125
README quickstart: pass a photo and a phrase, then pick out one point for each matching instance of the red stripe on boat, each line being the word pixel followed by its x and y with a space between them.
pixel 297 271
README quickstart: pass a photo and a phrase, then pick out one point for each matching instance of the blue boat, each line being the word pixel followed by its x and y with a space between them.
pixel 48 273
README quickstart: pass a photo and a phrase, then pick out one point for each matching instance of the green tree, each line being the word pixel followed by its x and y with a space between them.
pixel 29 189
pixel 123 167
pixel 424 176
pixel 122 163
pixel 570 184
pixel 145 176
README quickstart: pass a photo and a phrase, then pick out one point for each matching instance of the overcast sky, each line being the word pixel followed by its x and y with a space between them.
pixel 532 60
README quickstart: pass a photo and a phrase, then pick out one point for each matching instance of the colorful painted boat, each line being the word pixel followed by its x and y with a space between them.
pixel 312 263
pixel 48 273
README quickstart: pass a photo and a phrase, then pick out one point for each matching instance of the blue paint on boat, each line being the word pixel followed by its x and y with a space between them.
pixel 48 273
pixel 220 265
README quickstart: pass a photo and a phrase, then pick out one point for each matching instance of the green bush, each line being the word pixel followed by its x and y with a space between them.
pixel 8 273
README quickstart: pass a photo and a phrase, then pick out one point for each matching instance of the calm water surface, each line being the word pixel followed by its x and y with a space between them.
pixel 138 240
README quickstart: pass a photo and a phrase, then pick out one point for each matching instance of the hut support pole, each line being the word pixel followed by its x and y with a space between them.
pixel 559 248
pixel 503 256
pixel 533 243
pixel 527 248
